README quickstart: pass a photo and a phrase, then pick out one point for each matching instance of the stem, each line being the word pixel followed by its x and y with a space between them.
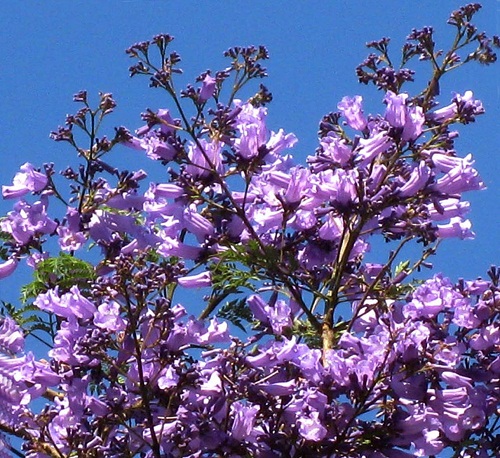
pixel 377 280
pixel 240 212
pixel 15 451
pixel 155 446
pixel 88 158
pixel 348 240
pixel 41 446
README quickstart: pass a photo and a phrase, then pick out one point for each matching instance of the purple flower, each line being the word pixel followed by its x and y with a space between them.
pixel 313 256
pixel 455 380
pixel 36 258
pixel 415 119
pixel 71 304
pixel 251 125
pixel 164 190
pixel 368 149
pixel 278 316
pixel 207 89
pixel 27 220
pixel 163 119
pixel 336 185
pixel 196 281
pixel 477 287
pixel 80 306
pixel 464 315
pixel 204 158
pixel 172 247
pixel 279 388
pixel 309 361
pixel 108 317
pixel 460 178
pixel 310 427
pixel 65 347
pixel 275 353
pixel 197 224
pixel 38 375
pixel 243 421
pixel 216 332
pixel 50 301
pixel 103 225
pixel 25 181
pixel 279 141
pixel 448 351
pixel 126 201
pixel 303 220
pixel 352 110
pixel 400 115
pixel 298 185
pixel 395 113
pixel 69 240
pixel 456 228
pixel 447 208
pixel 432 297
pixel 267 218
pixel 419 177
pixel 487 337
pixel 11 336
pixel 446 162
pixel 171 215
pixel 213 385
pixel 168 379
pixel 463 105
pixel 335 149
pixel 167 124
pixel 155 147
pixel 258 307
pixel 412 387
pixel 156 143
pixel 8 267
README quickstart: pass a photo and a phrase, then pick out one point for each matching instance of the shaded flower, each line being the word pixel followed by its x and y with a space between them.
pixel 310 427
pixel 243 421
pixel 208 88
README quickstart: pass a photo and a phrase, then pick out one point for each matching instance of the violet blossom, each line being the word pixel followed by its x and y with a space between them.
pixel 352 110
pixel 26 181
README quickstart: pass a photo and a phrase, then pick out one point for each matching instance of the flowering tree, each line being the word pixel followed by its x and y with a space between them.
pixel 301 346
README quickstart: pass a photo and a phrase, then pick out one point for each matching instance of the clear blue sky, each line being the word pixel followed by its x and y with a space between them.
pixel 50 50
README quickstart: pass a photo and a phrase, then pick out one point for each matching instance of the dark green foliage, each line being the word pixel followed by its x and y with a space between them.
pixel 236 312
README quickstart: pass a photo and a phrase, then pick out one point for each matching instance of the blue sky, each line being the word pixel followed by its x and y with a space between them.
pixel 53 49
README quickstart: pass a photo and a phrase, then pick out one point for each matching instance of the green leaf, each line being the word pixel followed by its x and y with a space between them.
pixel 305 330
pixel 25 316
pixel 63 271
pixel 236 311
pixel 401 267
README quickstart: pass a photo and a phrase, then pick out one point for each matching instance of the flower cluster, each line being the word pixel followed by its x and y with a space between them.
pixel 280 248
